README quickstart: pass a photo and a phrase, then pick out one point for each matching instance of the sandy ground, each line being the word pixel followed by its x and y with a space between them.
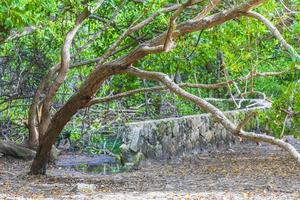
pixel 246 171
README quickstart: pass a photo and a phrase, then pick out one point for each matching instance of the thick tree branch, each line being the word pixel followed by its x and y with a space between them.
pixel 156 44
pixel 65 63
pixel 216 113
pixel 172 25
pixel 32 114
pixel 135 28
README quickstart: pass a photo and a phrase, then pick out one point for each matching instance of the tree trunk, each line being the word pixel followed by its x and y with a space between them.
pixel 63 116
pixel 33 140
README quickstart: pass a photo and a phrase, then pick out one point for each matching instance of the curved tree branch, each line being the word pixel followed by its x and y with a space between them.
pixel 62 69
pixel 64 66
pixel 183 85
pixel 156 44
pixel 215 112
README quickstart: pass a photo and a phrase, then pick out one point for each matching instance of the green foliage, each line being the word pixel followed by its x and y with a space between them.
pixel 16 14
pixel 277 119
pixel 75 136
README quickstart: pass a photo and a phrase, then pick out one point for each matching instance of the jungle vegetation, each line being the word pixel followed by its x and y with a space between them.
pixel 78 68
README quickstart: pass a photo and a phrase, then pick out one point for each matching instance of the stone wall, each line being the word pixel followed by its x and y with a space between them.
pixel 161 139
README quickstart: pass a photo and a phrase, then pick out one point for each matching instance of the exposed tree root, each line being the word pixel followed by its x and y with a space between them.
pixel 9 148
pixel 16 150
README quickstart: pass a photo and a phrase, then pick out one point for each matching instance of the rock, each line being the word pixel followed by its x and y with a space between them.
pixel 124 148
pixel 209 136
pixel 169 187
pixel 129 166
pixel 135 140
pixel 100 160
pixel 292 140
pixel 126 154
pixel 158 149
pixel 130 159
pixel 83 187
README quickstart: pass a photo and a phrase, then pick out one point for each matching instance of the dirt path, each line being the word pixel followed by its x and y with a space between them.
pixel 246 171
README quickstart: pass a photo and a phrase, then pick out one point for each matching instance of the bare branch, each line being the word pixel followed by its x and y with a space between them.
pixel 286 8
pixel 63 68
pixel 17 34
pixel 125 94
pixel 223 67
pixel 172 25
pixel 183 85
pixel 253 92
